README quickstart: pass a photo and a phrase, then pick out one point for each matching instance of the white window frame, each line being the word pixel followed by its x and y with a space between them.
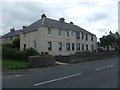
pixel 59 33
pixel 67 34
pixel 72 34
pixel 49 30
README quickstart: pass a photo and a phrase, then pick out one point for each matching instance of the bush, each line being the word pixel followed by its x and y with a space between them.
pixel 28 52
pixel 16 54
pixel 16 43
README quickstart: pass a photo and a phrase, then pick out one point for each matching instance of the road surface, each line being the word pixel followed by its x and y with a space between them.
pixel 92 74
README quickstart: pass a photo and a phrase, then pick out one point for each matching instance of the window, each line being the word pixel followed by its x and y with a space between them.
pixel 49 46
pixel 24 46
pixel 92 47
pixel 82 47
pixel 60 46
pixel 68 46
pixel 67 34
pixel 73 46
pixel 91 38
pixel 77 35
pixel 86 47
pixel 72 34
pixel 34 44
pixel 49 32
pixel 59 32
pixel 82 36
pixel 78 47
pixel 10 38
pixel 86 37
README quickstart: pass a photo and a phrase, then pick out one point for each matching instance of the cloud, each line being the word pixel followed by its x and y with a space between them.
pixel 97 16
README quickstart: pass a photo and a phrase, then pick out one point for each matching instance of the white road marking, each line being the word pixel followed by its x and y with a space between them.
pixel 17 75
pixel 57 79
pixel 104 67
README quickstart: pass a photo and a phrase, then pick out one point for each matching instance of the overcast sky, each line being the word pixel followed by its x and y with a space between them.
pixel 96 16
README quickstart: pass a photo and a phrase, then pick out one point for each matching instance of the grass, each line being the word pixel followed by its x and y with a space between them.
pixel 14 64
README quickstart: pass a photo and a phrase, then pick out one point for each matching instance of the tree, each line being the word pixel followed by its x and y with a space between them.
pixel 107 41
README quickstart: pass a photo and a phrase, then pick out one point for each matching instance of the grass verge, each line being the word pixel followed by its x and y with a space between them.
pixel 15 64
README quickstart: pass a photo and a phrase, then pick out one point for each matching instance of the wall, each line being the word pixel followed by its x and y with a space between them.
pixel 41 61
pixel 86 57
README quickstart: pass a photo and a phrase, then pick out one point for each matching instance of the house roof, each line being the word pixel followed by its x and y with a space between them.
pixel 14 33
pixel 49 23
pixel 54 24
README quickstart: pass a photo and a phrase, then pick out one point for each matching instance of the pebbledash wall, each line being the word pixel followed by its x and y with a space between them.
pixel 42 38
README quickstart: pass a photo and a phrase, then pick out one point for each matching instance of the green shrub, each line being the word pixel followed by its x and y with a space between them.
pixel 16 54
pixel 28 52
pixel 16 43
pixel 94 51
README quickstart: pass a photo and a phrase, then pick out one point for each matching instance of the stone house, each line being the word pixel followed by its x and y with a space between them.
pixel 55 37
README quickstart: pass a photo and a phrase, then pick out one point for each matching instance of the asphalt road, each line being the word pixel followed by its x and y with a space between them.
pixel 92 74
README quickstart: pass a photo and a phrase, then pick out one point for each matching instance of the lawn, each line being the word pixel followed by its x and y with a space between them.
pixel 15 64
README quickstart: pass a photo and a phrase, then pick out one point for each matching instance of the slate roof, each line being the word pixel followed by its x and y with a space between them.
pixel 12 34
pixel 49 23
pixel 54 24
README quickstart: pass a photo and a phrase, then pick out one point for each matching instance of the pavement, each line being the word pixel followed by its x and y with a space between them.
pixel 92 74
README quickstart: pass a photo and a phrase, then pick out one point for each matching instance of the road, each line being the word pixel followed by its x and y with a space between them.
pixel 92 74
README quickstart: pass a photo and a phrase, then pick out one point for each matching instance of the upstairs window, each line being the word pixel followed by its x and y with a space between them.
pixel 82 36
pixel 72 34
pixel 86 37
pixel 91 38
pixel 10 38
pixel 49 32
pixel 77 35
pixel 78 47
pixel 68 46
pixel 67 34
pixel 59 32
pixel 34 44
pixel 60 46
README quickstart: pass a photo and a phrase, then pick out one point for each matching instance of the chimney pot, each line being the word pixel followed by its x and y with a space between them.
pixel 62 20
pixel 71 22
pixel 24 27
pixel 12 30
pixel 42 16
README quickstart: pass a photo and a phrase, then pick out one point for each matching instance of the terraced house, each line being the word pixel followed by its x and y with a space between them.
pixel 56 37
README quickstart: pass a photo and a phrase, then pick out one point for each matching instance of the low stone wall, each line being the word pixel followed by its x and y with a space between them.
pixel 41 61
pixel 86 57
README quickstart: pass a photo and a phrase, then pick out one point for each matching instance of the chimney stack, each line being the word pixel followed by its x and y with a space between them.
pixel 12 30
pixel 62 20
pixel 24 27
pixel 71 22
pixel 42 16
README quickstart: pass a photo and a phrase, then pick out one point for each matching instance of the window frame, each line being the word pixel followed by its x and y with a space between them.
pixel 60 46
pixel 67 46
pixel 78 47
pixel 49 32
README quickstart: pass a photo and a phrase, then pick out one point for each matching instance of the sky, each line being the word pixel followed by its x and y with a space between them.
pixel 96 16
